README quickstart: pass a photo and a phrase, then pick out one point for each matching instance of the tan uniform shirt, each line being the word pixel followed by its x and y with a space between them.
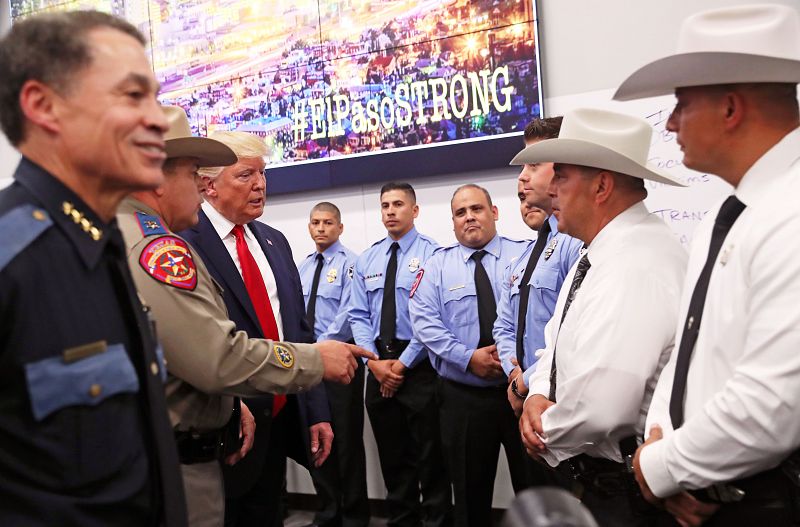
pixel 207 359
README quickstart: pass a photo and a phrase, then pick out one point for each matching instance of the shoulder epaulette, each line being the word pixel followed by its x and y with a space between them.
pixel 428 239
pixel 514 240
pixel 19 228
pixel 150 225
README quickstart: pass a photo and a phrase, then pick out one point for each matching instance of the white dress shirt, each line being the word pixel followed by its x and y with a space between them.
pixel 615 339
pixel 742 405
pixel 224 228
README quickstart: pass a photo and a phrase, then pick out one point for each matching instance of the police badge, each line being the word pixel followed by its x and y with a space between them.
pixel 331 276
pixel 550 249
pixel 413 265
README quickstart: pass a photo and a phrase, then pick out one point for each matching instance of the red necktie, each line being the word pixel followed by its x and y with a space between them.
pixel 257 291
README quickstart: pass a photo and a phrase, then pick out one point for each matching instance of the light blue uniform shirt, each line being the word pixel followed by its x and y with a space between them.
pixel 444 306
pixel 560 253
pixel 333 293
pixel 367 293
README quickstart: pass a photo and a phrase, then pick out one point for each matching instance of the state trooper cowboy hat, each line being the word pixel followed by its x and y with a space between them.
pixel 600 139
pixel 742 44
pixel 180 142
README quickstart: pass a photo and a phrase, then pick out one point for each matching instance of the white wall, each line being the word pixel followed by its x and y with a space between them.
pixel 587 46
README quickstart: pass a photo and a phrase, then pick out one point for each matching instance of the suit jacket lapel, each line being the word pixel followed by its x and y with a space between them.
pixel 217 257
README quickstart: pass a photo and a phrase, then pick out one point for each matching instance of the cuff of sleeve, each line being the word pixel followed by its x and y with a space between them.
pixel 411 357
pixel 526 377
pixel 652 461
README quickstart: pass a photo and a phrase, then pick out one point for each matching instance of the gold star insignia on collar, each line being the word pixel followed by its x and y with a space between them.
pixel 79 219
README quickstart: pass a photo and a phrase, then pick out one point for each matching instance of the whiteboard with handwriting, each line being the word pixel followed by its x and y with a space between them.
pixel 680 208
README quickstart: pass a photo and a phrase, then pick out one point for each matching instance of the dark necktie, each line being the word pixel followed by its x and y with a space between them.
pixel 311 309
pixel 577 280
pixel 257 291
pixel 389 307
pixel 525 290
pixel 727 216
pixel 487 306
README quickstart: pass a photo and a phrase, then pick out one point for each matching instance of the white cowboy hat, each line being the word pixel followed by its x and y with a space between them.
pixel 600 139
pixel 743 44
pixel 180 142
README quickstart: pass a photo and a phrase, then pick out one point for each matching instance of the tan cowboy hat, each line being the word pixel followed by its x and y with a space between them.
pixel 743 44
pixel 600 139
pixel 181 143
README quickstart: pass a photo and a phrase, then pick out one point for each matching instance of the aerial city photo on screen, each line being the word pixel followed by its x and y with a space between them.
pixel 320 79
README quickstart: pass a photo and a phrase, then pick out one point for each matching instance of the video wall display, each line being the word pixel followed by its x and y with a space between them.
pixel 324 81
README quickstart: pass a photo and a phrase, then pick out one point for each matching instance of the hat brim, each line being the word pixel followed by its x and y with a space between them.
pixel 209 152
pixel 585 153
pixel 707 68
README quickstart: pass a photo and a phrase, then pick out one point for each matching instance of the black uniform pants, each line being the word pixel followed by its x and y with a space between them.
pixel 406 429
pixel 341 482
pixel 474 423
pixel 611 494
pixel 261 506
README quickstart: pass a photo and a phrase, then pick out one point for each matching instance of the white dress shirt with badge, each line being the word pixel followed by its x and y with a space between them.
pixel 615 339
pixel 742 401
pixel 224 228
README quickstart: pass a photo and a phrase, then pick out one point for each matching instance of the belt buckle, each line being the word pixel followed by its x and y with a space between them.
pixel 724 493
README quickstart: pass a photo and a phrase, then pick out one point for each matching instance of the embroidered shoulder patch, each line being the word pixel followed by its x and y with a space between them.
pixel 415 285
pixel 169 260
pixel 150 225
pixel 284 355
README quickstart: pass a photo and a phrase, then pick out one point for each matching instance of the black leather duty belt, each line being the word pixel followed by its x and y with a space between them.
pixel 200 447
pixel 391 350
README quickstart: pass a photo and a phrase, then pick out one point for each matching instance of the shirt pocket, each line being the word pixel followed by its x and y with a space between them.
pixel 460 305
pixel 544 291
pixel 331 291
pixel 54 384
pixel 405 279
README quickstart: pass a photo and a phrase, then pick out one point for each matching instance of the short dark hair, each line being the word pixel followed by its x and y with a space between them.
pixel 327 206
pixel 544 128
pixel 405 187
pixel 476 187
pixel 51 48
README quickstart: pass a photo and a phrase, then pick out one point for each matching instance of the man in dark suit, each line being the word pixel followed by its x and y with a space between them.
pixel 253 263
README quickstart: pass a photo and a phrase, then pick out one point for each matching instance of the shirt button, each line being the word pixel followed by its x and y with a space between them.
pixel 154 368
pixel 95 390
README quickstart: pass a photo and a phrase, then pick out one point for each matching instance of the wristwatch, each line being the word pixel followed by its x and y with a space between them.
pixel 514 388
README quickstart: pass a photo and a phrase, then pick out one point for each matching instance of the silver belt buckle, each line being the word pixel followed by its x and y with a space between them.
pixel 725 493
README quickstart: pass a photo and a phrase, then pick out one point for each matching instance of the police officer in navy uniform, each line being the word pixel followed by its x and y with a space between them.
pixel 401 386
pixel 84 434
pixel 453 309
pixel 327 277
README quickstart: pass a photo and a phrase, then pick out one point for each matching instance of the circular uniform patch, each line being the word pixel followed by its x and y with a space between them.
pixel 168 260
pixel 284 355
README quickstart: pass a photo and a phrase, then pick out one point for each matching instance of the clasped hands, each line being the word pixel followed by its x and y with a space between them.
pixel 390 373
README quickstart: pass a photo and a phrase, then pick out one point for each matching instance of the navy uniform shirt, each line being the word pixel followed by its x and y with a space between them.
pixel 331 321
pixel 84 436
pixel 560 253
pixel 444 305
pixel 367 294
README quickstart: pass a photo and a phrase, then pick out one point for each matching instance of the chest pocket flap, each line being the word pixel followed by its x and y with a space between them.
pixel 330 290
pixel 545 278
pixel 54 384
pixel 457 293
pixel 373 284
